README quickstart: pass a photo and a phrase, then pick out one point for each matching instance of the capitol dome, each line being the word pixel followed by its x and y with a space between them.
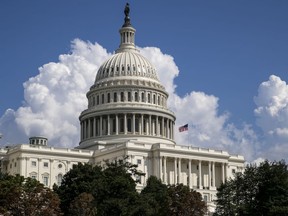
pixel 127 100
pixel 131 65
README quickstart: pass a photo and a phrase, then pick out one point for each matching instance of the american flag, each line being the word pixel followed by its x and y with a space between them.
pixel 183 128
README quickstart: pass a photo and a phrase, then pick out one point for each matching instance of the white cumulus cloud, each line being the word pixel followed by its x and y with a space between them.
pixel 272 117
pixel 56 96
pixel 207 127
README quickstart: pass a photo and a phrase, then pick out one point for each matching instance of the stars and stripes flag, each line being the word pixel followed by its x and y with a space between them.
pixel 183 128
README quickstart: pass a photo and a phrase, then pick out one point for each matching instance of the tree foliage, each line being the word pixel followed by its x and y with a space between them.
pixel 260 190
pixel 155 197
pixel 83 205
pixel 174 200
pixel 20 196
pixel 185 201
pixel 112 188
pixel 111 191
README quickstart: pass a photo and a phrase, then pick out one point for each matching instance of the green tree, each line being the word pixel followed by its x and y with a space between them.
pixel 83 178
pixel 260 190
pixel 155 197
pixel 112 187
pixel 20 196
pixel 185 201
pixel 83 205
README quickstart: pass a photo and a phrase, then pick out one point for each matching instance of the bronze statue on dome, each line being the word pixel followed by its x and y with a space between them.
pixel 127 18
pixel 127 10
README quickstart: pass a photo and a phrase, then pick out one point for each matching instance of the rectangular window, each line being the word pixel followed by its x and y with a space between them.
pixel 34 177
pixel 138 179
pixel 45 164
pixel 45 180
pixel 206 197
pixel 33 163
pixel 139 161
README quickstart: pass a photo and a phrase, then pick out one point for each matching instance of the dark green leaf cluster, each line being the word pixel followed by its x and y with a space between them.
pixel 111 191
pixel 20 196
pixel 260 190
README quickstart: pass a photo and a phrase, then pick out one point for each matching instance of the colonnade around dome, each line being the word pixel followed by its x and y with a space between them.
pixel 127 124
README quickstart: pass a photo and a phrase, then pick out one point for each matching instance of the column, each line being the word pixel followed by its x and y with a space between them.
pixel 162 127
pixel 200 174
pixel 189 174
pixel 226 168
pixel 84 129
pixel 101 129
pixel 51 172
pixel 133 123
pixel 170 134
pixel 179 171
pixel 125 123
pixel 209 174
pixel 150 125
pixel 141 129
pixel 117 124
pixel 165 170
pixel 213 175
pixel 167 128
pixel 94 127
pixel 157 126
pixel 145 164
pixel 108 124
pixel 160 168
pixel 223 173
pixel 175 171
pixel 89 128
pixel 81 131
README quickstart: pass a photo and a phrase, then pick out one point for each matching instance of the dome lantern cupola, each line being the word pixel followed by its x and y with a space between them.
pixel 127 34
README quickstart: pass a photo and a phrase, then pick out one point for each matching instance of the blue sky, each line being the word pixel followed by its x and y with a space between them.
pixel 222 48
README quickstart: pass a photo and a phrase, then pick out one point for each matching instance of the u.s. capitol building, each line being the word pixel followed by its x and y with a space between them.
pixel 127 115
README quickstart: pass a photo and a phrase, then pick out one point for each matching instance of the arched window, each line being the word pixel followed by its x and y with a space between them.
pixel 108 97
pixel 115 96
pixel 129 96
pixel 154 99
pixel 103 97
pixel 149 99
pixel 59 179
pixel 122 96
pixel 142 97
pixel 136 96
